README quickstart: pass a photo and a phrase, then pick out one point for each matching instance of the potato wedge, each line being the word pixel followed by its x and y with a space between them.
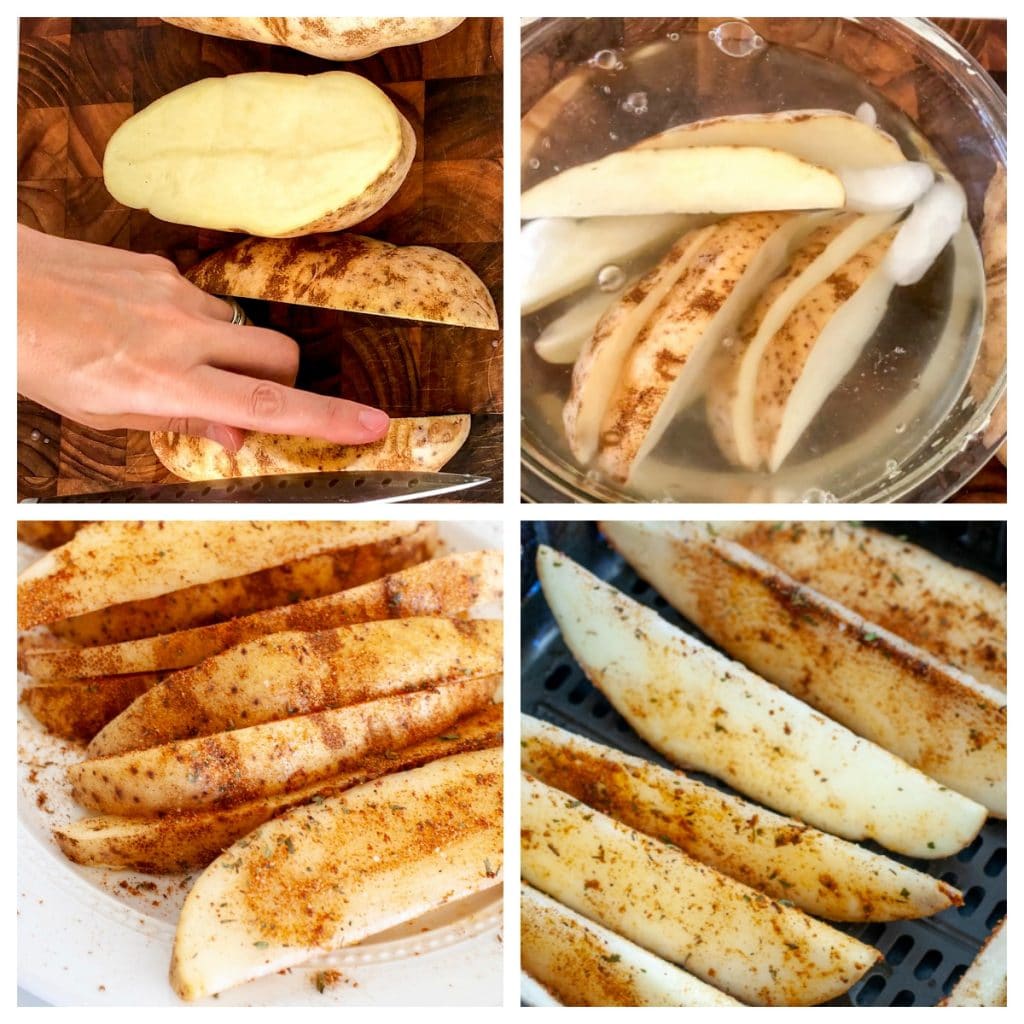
pixel 330 38
pixel 703 711
pixel 762 952
pixel 584 964
pixel 221 600
pixel 272 758
pixel 47 534
pixel 699 179
pixel 263 154
pixel 113 562
pixel 351 272
pixel 984 981
pixel 447 586
pixel 957 615
pixel 565 337
pixel 425 443
pixel 184 842
pixel 931 715
pixel 297 673
pixel 339 871
pixel 781 857
pixel 533 993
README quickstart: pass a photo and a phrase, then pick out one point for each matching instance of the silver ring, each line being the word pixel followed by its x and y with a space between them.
pixel 238 317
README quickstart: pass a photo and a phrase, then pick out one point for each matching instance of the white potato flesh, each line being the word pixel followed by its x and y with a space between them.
pixel 956 614
pixel 701 179
pixel 263 153
pixel 927 713
pixel 828 138
pixel 705 712
pixel 877 189
pixel 559 256
pixel 779 856
pixel 584 964
pixel 762 952
pixel 564 338
pixel 325 876
pixel 984 982
pixel 934 220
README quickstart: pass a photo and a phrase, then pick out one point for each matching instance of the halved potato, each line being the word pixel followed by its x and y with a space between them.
pixel 701 179
pixel 426 443
pixel 263 153
pixel 351 272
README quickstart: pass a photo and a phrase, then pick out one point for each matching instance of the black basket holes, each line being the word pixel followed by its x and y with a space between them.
pixel 996 915
pixel 870 990
pixel 950 877
pixel 952 978
pixel 873 932
pixel 972 900
pixel 904 998
pixel 899 949
pixel 578 694
pixel 966 855
pixel 601 708
pixel 557 677
pixel 996 864
pixel 639 588
pixel 928 965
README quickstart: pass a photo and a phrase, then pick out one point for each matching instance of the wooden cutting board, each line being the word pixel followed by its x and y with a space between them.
pixel 79 78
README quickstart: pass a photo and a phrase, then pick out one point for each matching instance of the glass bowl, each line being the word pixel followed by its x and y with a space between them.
pixel 595 86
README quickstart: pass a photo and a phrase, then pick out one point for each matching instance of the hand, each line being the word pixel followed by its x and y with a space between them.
pixel 117 339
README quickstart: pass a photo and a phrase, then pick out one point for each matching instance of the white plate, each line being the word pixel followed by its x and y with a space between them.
pixel 96 937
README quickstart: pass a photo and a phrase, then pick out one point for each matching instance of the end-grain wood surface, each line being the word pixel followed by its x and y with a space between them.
pixel 79 78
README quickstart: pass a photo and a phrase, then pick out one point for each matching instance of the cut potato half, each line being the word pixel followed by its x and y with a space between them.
pixel 263 153
pixel 351 272
pixel 699 179
pixel 425 443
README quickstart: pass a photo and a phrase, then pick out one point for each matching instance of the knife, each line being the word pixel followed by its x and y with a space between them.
pixel 287 489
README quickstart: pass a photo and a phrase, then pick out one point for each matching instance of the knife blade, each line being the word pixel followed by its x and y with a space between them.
pixel 289 488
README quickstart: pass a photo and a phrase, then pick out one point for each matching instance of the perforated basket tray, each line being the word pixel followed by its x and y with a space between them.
pixel 923 959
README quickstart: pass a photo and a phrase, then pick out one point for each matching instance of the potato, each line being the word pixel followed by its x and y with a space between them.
pixel 113 562
pixel 183 842
pixel 984 981
pixel 779 856
pixel 47 534
pixel 762 952
pixel 221 600
pixel 350 272
pixel 445 586
pixel 263 154
pixel 705 712
pixel 957 615
pixel 584 964
pixel 296 673
pixel 533 993
pixel 698 179
pixel 425 443
pixel 328 875
pixel 272 758
pixel 931 715
pixel 564 338
pixel 330 38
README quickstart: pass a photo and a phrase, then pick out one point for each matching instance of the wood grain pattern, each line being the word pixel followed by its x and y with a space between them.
pixel 80 78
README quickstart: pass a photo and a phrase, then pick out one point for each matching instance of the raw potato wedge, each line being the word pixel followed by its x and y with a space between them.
pixel 699 179
pixel 425 443
pixel 113 562
pixel 263 154
pixel 705 712
pixel 665 364
pixel 298 673
pixel 209 603
pixel 47 534
pixel 351 272
pixel 565 337
pixel 330 38
pixel 447 586
pixel 184 842
pixel 828 138
pixel 583 964
pixel 957 615
pixel 781 857
pixel 272 758
pixel 77 709
pixel 367 860
pixel 931 715
pixel 762 952
pixel 984 981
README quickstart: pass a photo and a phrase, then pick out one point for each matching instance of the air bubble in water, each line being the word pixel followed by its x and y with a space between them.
pixel 866 113
pixel 613 136
pixel 611 278
pixel 635 103
pixel 817 496
pixel 900 427
pixel 736 39
pixel 606 89
pixel 35 435
pixel 606 60
pixel 674 37
pixel 892 468
pixel 533 163
pixel 545 143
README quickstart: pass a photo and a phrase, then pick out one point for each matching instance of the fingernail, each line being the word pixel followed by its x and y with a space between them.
pixel 373 420
pixel 223 436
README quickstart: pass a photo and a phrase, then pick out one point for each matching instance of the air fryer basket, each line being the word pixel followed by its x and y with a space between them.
pixel 924 958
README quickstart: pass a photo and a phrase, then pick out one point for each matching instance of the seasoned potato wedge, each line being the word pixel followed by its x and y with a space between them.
pixel 351 272
pixel 296 673
pixel 275 757
pixel 931 715
pixel 584 964
pixel 984 981
pixel 113 562
pixel 703 711
pixel 682 910
pixel 249 913
pixel 183 842
pixel 781 857
pixel 426 443
pixel 445 586
pixel 533 993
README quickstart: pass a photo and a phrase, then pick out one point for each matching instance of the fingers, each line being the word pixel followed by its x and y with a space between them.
pixel 253 351
pixel 229 438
